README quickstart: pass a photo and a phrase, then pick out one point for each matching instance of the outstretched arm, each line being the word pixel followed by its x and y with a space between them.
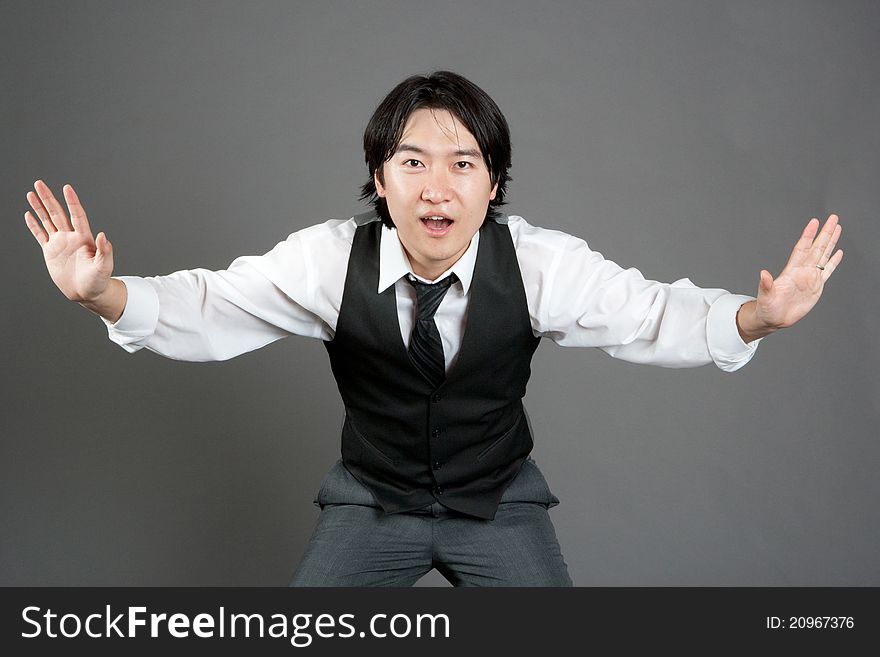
pixel 784 301
pixel 578 298
pixel 197 314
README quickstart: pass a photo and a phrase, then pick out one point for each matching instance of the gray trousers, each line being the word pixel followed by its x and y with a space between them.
pixel 356 544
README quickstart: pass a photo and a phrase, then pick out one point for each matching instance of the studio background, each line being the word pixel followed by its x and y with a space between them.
pixel 687 139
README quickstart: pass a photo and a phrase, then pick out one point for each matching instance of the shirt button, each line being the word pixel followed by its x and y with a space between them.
pixel 435 432
pixel 437 465
pixel 438 490
pixel 436 397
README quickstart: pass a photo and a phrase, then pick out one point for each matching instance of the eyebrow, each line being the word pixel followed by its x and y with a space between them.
pixel 461 152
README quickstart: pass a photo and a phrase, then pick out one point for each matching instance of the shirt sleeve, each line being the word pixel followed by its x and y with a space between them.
pixel 203 315
pixel 578 298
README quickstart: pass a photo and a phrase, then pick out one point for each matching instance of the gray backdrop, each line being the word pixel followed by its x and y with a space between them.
pixel 683 138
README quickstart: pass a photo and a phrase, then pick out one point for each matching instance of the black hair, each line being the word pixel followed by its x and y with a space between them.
pixel 440 90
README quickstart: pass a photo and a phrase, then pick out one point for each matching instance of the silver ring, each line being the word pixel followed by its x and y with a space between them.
pixel 820 267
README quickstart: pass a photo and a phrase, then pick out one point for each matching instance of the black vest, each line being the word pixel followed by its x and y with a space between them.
pixel 460 444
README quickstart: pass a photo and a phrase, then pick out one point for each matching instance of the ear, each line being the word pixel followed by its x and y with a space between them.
pixel 380 189
pixel 494 192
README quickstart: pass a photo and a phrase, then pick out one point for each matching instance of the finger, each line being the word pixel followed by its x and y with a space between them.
pixel 818 248
pixel 832 265
pixel 38 232
pixel 802 248
pixel 41 212
pixel 104 251
pixel 56 212
pixel 106 246
pixel 77 214
pixel 826 254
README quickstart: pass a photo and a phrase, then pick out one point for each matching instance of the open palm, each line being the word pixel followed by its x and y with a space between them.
pixel 785 300
pixel 78 264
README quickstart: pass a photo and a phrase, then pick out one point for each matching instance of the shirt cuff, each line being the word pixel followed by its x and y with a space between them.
pixel 139 317
pixel 726 347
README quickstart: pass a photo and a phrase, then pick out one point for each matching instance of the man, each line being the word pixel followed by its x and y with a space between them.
pixel 435 469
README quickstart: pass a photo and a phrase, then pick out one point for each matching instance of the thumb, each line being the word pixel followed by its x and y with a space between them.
pixel 766 281
pixel 101 245
pixel 103 251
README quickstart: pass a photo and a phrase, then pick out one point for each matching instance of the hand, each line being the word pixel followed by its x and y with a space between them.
pixel 784 301
pixel 78 264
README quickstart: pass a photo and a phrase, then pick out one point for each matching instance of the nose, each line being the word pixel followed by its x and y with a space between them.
pixel 437 187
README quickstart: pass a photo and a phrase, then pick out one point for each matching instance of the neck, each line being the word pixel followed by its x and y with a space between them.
pixel 432 270
pixel 429 274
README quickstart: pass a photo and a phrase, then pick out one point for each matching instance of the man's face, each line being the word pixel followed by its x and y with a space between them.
pixel 437 171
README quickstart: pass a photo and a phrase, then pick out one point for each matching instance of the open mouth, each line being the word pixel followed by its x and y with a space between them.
pixel 437 225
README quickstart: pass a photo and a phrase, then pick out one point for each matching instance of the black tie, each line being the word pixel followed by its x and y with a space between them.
pixel 425 348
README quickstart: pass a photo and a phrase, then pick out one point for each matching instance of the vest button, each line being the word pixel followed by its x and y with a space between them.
pixel 438 490
pixel 437 465
pixel 435 432
pixel 436 397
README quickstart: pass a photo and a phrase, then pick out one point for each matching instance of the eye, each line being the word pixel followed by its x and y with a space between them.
pixel 411 163
pixel 467 165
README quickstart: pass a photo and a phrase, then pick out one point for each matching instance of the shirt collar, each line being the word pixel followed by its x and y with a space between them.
pixel 393 263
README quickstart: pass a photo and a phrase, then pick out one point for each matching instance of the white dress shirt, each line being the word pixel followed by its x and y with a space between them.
pixel 575 297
